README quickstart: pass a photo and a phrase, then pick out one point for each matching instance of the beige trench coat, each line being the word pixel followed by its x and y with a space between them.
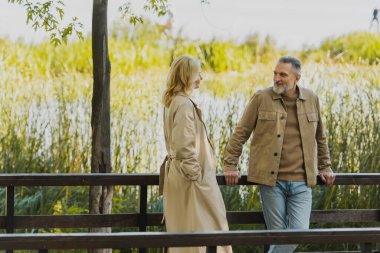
pixel 192 199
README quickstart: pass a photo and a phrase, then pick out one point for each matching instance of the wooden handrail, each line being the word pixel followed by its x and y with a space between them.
pixel 162 239
pixel 143 219
pixel 61 179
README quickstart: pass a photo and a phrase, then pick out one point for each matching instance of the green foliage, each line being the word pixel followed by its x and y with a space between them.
pixel 358 47
pixel 48 15
pixel 158 7
pixel 132 49
pixel 46 101
pixel 221 56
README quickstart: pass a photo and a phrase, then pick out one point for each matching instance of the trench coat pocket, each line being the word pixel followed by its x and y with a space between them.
pixel 191 169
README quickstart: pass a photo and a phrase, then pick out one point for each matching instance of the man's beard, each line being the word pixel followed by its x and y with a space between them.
pixel 280 89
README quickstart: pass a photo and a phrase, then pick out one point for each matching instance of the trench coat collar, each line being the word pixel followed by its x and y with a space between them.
pixel 199 113
pixel 183 94
pixel 301 94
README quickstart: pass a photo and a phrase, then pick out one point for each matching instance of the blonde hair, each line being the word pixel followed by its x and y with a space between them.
pixel 182 75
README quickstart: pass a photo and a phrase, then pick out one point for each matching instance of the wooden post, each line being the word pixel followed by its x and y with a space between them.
pixel 211 249
pixel 143 211
pixel 10 211
pixel 266 246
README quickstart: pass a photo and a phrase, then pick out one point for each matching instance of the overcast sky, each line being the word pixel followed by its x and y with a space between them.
pixel 292 23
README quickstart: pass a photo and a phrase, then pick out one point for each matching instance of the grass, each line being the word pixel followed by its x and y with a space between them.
pixel 46 105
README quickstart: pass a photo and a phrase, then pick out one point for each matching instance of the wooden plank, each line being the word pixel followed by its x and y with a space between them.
pixel 147 179
pixel 157 239
pixel 317 216
pixel 357 179
pixel 345 215
pixel 245 217
pixel 331 252
pixel 81 221
pixel 52 179
pixel 75 221
pixel 341 179
pixel 154 219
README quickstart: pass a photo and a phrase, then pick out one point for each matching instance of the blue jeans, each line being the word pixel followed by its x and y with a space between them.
pixel 286 206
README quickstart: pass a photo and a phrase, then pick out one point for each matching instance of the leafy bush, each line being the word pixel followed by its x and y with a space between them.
pixel 358 47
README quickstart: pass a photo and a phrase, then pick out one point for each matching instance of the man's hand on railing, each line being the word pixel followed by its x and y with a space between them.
pixel 328 178
pixel 232 177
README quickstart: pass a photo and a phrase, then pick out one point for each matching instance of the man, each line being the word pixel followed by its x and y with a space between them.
pixel 288 149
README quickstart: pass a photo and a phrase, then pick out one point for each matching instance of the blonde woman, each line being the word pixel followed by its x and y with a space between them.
pixel 192 199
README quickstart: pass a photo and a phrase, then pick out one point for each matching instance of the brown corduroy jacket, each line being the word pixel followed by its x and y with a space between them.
pixel 265 118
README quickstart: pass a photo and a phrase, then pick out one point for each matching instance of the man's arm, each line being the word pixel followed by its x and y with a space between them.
pixel 324 162
pixel 240 136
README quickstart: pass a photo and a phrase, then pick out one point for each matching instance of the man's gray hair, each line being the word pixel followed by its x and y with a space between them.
pixel 296 63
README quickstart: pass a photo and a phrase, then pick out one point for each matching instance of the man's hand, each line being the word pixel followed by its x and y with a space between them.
pixel 232 177
pixel 328 178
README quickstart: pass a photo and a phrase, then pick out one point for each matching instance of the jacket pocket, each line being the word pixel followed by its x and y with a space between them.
pixel 312 122
pixel 266 122
pixel 312 117
pixel 267 115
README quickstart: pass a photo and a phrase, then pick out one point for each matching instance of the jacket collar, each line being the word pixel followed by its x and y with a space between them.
pixel 301 94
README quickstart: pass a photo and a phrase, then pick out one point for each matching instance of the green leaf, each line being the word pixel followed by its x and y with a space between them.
pixel 60 11
pixel 46 15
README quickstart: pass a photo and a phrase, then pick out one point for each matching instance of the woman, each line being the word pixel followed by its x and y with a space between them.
pixel 192 199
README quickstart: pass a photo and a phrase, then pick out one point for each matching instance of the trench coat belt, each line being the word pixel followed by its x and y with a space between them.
pixel 164 164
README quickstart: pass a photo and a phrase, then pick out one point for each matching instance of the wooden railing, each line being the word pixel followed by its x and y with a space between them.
pixel 365 236
pixel 10 221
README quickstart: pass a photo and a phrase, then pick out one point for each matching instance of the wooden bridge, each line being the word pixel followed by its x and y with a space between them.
pixel 367 237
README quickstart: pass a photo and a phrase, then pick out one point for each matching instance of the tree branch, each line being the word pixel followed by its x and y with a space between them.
pixel 48 15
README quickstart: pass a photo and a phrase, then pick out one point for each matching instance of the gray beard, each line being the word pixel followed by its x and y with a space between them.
pixel 279 90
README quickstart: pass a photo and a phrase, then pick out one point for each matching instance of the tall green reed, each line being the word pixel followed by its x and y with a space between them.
pixel 46 103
